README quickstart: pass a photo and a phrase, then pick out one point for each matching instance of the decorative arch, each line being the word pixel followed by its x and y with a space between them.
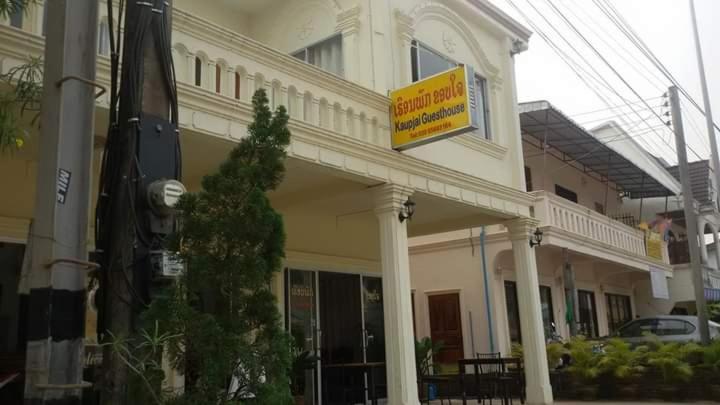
pixel 307 106
pixel 434 11
pixel 200 69
pixel 350 118
pixel 324 113
pixel 337 117
pixel 239 82
pixel 276 94
pixel 104 37
pixel 292 94
pixel 259 81
pixel 180 60
pixel 221 66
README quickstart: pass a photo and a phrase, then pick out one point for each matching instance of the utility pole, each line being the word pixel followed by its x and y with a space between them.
pixel 706 100
pixel 691 223
pixel 56 324
pixel 142 152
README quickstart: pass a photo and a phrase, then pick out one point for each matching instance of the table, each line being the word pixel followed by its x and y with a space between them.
pixel 367 368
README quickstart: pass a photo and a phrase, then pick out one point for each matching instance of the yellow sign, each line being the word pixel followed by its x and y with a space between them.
pixel 434 108
pixel 654 245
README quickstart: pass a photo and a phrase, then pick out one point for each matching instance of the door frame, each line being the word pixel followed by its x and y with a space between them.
pixel 318 327
pixel 461 304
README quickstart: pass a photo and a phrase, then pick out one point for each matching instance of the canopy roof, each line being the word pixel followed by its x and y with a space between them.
pixel 572 143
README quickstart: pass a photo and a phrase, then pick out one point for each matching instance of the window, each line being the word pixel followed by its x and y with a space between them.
pixel 326 55
pixel 218 78
pixel 513 312
pixel 482 107
pixel 528 179
pixel 104 39
pixel 671 327
pixel 16 19
pixel 426 62
pixel 587 322
pixel 546 308
pixel 198 71
pixel 638 328
pixel 619 311
pixel 566 193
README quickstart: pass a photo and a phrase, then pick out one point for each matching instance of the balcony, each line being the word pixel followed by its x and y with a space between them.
pixel 585 229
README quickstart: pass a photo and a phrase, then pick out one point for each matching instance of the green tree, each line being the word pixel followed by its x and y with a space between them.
pixel 20 90
pixel 229 339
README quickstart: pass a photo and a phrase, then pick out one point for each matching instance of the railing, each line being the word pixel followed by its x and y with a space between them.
pixel 584 222
pixel 232 67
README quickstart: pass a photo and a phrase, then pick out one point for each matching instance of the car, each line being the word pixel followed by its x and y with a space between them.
pixel 667 328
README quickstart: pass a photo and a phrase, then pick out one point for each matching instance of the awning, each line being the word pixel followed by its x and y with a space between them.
pixel 712 294
pixel 568 141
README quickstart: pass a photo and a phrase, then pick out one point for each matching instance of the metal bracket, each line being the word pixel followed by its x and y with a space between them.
pixel 84 263
pixel 102 88
pixel 79 386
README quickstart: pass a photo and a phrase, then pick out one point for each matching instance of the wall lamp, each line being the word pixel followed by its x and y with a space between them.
pixel 407 211
pixel 536 238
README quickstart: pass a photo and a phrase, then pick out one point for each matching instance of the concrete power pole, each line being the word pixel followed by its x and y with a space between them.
pixel 706 100
pixel 690 217
pixel 56 324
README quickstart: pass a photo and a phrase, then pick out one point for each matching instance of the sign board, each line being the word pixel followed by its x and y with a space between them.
pixel 435 108
pixel 659 283
pixel 654 245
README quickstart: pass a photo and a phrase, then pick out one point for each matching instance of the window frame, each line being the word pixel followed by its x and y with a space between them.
pixel 565 193
pixel 198 79
pixel 595 332
pixel 306 53
pixel 479 81
pixel 17 19
pixel 611 303
pixel 547 326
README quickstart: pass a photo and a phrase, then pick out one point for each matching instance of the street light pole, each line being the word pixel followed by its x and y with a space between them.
pixel 56 309
pixel 690 217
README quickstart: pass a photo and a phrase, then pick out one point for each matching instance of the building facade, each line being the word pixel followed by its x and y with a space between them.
pixel 345 293
pixel 591 255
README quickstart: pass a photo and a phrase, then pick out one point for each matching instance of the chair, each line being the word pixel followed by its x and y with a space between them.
pixel 512 379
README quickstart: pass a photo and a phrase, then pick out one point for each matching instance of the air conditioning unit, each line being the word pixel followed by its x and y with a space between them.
pixel 166 264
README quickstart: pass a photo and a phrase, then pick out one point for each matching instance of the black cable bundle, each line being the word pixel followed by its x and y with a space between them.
pixel 117 227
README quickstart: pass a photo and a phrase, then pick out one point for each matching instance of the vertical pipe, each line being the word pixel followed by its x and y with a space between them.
pixel 488 304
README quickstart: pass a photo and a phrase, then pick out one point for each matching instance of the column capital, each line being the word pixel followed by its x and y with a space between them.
pixel 521 228
pixel 348 21
pixel 405 24
pixel 390 197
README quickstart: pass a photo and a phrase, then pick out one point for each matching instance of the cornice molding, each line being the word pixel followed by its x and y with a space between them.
pixel 481 145
pixel 348 21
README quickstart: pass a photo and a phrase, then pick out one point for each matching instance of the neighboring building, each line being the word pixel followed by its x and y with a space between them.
pixel 580 182
pixel 682 292
pixel 346 291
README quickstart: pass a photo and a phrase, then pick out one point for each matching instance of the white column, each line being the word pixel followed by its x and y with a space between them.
pixel 537 375
pixel 399 339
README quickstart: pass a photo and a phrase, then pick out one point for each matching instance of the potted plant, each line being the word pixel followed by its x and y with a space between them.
pixel 303 360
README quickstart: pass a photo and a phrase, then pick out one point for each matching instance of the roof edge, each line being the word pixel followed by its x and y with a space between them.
pixel 503 18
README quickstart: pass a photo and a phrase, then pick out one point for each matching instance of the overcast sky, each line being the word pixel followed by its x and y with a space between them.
pixel 664 25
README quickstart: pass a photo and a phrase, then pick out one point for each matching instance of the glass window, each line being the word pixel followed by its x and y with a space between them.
pixel 426 62
pixel 566 193
pixel 16 18
pixel 513 313
pixel 104 39
pixel 670 327
pixel 619 311
pixel 546 307
pixel 237 85
pixel 326 55
pixel 482 107
pixel 587 322
pixel 638 328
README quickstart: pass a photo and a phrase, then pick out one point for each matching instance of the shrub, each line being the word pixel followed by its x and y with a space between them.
pixel 620 360
pixel 668 358
pixel 584 364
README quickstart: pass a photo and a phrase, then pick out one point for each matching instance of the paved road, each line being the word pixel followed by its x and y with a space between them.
pixel 454 402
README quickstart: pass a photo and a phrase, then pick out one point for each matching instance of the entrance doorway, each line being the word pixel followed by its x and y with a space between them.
pixel 337 321
pixel 446 327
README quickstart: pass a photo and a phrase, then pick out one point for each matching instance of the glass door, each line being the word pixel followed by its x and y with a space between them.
pixel 302 323
pixel 374 333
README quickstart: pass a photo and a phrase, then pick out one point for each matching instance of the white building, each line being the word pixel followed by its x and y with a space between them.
pixel 580 182
pixel 332 63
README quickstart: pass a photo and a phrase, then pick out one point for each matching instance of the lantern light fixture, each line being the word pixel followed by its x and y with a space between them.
pixel 407 210
pixel 536 238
